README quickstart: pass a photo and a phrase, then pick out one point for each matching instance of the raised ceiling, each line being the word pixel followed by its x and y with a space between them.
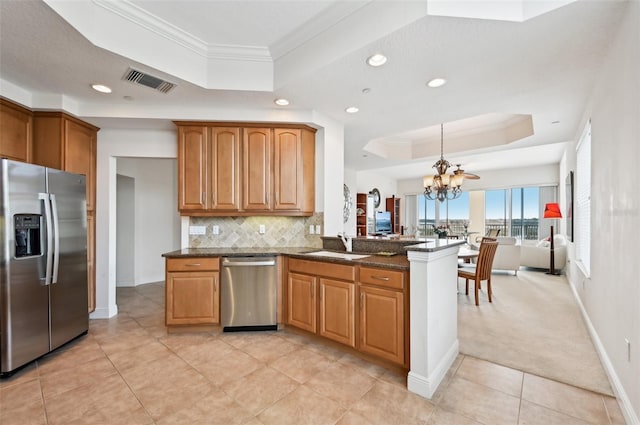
pixel 232 56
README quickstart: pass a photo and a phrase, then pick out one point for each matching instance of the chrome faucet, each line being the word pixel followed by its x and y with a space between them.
pixel 347 241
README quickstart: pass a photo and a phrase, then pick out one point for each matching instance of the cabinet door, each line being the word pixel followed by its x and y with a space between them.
pixel 337 316
pixel 256 174
pixel 382 323
pixel 224 160
pixel 301 301
pixel 80 155
pixel 15 132
pixel 91 260
pixel 192 298
pixel 192 171
pixel 287 169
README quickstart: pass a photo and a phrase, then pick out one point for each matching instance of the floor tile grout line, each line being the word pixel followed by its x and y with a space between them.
pixel 130 389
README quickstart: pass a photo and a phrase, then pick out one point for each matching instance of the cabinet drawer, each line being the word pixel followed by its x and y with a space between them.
pixel 382 277
pixel 321 268
pixel 192 264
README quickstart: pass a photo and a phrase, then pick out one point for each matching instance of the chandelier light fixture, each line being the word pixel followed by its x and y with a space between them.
pixel 442 186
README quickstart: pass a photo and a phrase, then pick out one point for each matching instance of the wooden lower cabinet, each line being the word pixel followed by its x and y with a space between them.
pixel 337 311
pixel 381 323
pixel 370 315
pixel 192 291
pixel 321 299
pixel 301 305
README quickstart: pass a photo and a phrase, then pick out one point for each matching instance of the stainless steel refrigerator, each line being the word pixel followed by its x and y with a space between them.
pixel 43 261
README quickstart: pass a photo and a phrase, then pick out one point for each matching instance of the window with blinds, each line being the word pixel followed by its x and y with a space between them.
pixel 582 225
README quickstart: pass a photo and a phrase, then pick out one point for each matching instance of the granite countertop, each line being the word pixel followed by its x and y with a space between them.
pixel 398 261
pixel 236 252
pixel 432 245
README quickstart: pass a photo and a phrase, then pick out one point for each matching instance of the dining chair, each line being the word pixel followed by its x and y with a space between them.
pixel 482 271
pixel 491 233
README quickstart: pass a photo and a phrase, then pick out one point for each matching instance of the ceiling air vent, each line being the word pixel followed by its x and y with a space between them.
pixel 138 77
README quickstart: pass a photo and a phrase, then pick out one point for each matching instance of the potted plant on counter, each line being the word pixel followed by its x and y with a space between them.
pixel 441 231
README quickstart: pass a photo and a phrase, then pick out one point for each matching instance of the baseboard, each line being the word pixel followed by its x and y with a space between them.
pixel 104 313
pixel 627 409
pixel 426 386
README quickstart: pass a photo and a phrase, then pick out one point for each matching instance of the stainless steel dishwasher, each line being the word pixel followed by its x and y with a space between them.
pixel 249 293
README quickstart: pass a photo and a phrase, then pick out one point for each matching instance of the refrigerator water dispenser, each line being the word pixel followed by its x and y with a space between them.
pixel 27 235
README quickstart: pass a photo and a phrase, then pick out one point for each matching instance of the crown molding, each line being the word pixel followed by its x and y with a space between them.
pixel 150 22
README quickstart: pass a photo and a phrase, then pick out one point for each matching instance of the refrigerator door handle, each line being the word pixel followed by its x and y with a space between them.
pixel 47 215
pixel 56 239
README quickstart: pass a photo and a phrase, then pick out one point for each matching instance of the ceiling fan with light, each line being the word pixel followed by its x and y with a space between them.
pixel 443 186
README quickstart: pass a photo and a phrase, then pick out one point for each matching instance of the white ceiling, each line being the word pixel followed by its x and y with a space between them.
pixel 240 55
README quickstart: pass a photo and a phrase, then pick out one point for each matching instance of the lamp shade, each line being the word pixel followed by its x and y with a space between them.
pixel 552 210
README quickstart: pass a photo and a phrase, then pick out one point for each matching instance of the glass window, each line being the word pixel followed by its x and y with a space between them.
pixel 426 215
pixel 496 211
pixel 525 212
pixel 457 214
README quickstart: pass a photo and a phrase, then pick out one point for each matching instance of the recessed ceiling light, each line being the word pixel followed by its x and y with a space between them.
pixel 281 102
pixel 555 122
pixel 351 110
pixel 437 82
pixel 366 90
pixel 101 88
pixel 377 60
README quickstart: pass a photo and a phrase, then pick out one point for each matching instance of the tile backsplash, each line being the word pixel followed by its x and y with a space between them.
pixel 242 232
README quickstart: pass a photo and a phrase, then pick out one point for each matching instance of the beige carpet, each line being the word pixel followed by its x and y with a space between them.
pixel 533 325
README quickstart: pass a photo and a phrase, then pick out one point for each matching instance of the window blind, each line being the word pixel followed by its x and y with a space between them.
pixel 583 201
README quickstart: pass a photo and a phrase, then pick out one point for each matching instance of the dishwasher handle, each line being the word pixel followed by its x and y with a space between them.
pixel 255 263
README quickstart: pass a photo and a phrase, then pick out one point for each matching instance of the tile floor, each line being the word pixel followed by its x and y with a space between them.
pixel 128 370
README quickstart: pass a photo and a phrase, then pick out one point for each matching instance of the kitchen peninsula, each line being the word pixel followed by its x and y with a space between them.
pixel 365 301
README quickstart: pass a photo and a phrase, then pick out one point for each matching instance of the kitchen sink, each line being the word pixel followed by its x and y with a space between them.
pixel 342 255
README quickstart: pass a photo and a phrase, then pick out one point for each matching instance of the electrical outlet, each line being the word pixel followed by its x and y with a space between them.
pixel 318 229
pixel 311 231
pixel 216 229
pixel 197 230
pixel 262 229
pixel 628 349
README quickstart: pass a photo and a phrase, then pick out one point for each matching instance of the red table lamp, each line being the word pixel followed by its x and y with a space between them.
pixel 552 210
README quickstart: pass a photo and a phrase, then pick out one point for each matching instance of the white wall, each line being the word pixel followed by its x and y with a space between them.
pixel 611 295
pixel 157 221
pixel 125 231
pixel 367 180
pixel 112 144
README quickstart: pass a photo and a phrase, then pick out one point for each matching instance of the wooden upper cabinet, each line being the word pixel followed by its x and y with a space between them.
pixel 192 163
pixel 15 131
pixel 287 169
pixel 243 170
pixel 224 163
pixel 80 156
pixel 66 143
pixel 294 170
pixel 256 166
